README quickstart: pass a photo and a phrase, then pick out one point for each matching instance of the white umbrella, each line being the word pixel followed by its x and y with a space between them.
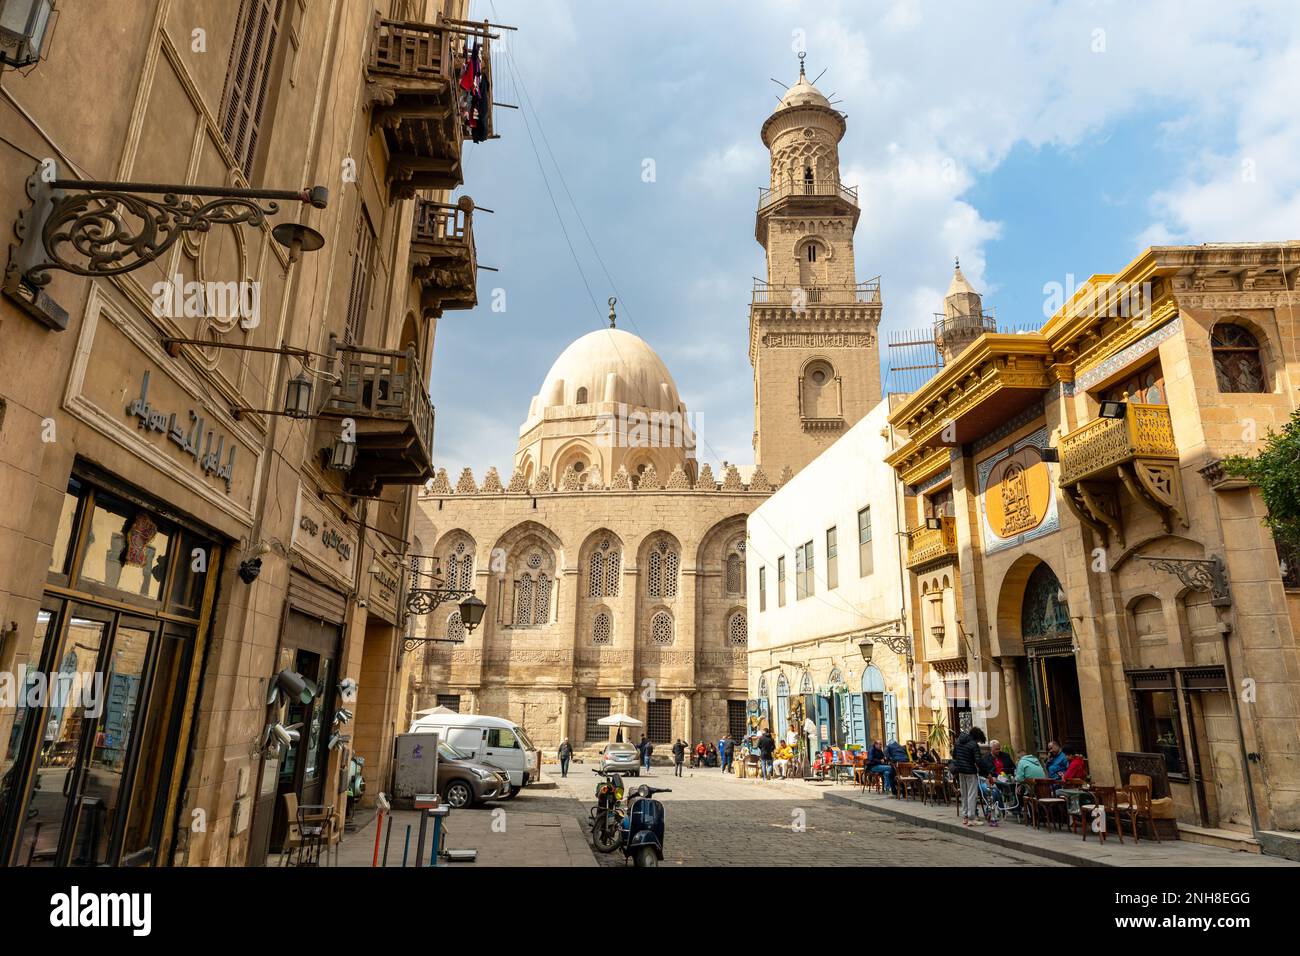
pixel 434 710
pixel 619 720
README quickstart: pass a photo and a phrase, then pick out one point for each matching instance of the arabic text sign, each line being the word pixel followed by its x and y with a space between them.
pixel 196 441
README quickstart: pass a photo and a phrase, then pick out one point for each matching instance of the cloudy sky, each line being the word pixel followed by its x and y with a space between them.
pixel 1040 142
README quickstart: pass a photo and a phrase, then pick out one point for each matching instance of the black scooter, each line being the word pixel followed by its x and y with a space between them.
pixel 643 828
pixel 607 815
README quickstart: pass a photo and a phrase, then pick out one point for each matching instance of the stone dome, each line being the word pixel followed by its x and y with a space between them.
pixel 803 93
pixel 608 365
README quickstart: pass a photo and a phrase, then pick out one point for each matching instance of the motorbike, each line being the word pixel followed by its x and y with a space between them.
pixel 643 827
pixel 607 815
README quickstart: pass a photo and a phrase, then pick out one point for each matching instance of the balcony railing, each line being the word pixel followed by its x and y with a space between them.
pixel 817 187
pixel 414 71
pixel 844 294
pixel 443 257
pixel 383 392
pixel 925 545
pixel 950 326
pixel 1097 448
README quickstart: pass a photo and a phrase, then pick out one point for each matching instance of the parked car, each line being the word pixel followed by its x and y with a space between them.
pixel 464 781
pixel 621 758
pixel 492 740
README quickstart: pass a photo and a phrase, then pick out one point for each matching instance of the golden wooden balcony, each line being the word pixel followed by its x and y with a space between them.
pixel 928 545
pixel 413 74
pixel 1136 452
pixel 383 392
pixel 443 257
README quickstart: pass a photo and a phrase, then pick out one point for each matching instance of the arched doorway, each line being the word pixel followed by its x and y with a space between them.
pixel 1052 674
pixel 781 727
pixel 873 705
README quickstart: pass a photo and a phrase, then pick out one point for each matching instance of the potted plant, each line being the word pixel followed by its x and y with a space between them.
pixel 937 738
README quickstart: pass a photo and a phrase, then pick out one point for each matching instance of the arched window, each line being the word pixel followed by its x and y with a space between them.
pixel 602 570
pixel 662 577
pixel 819 393
pixel 1237 362
pixel 805 683
pixel 455 629
pixel 530 568
pixel 602 629
pixel 836 677
pixel 582 396
pixel 612 576
pixel 596 574
pixel 524 600
pixel 735 567
pixel 661 629
pixel 738 630
pixel 542 602
pixel 762 687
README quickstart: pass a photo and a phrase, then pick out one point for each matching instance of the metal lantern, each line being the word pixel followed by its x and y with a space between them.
pixel 23 24
pixel 343 455
pixel 866 645
pixel 471 612
pixel 297 397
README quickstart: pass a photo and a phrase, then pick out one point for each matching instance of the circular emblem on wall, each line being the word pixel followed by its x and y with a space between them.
pixel 1018 494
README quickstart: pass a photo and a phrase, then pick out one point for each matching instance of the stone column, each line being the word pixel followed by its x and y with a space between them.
pixel 1011 697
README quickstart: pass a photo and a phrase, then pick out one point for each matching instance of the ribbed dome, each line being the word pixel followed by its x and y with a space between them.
pixel 612 366
pixel 803 93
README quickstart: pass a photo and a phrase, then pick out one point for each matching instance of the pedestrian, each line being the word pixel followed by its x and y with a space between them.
pixel 700 753
pixel 645 756
pixel 766 747
pixel 679 757
pixel 726 752
pixel 966 765
pixel 565 754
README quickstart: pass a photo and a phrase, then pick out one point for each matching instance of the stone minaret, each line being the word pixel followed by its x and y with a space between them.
pixel 963 319
pixel 812 325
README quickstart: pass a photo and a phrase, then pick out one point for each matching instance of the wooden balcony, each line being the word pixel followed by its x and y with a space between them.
pixel 1136 453
pixel 413 75
pixel 927 546
pixel 443 258
pixel 384 393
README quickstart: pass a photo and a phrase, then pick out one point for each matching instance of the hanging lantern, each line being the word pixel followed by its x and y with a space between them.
pixel 23 25
pixel 297 397
pixel 471 612
pixel 343 455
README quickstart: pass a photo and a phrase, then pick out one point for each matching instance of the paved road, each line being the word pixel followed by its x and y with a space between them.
pixel 717 820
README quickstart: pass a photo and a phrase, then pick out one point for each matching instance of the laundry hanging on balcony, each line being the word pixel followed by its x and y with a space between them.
pixel 474 94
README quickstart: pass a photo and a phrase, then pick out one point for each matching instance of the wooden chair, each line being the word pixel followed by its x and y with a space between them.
pixel 1135 804
pixel 293 841
pixel 1047 806
pixel 905 780
pixel 1107 798
pixel 934 786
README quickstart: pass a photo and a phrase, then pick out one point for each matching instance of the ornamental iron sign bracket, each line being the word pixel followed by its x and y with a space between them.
pixel 1199 574
pixel 104 228
pixel 421 601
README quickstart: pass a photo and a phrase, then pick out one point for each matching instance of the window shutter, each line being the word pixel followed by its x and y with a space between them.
pixel 248 78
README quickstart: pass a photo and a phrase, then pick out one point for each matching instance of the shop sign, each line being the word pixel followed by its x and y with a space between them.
pixel 196 441
pixel 1017 501
pixel 322 539
pixel 384 585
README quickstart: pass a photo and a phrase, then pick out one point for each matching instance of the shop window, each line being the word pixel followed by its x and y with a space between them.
pixel 597 710
pixel 71 509
pixel 1237 363
pixel 126 550
pixel 1158 726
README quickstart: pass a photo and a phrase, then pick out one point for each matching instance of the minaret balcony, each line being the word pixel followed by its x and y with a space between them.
pixel 814 188
pixel 787 296
pixel 413 73
pixel 383 392
pixel 443 257
pixel 1134 452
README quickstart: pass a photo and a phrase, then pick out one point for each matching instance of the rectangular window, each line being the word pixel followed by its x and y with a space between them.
pixel 780 581
pixel 502 739
pixel 832 558
pixel 864 542
pixel 1158 726
pixel 248 78
pixel 363 267
pixel 736 718
pixel 803 571
pixel 450 701
pixel 659 721
pixel 597 710
pixel 762 589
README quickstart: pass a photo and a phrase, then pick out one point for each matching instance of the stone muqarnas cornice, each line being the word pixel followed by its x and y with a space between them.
pixel 441 486
pixel 466 485
pixel 731 480
pixel 678 481
pixel 492 483
pixel 706 481
pixel 758 481
pixel 518 484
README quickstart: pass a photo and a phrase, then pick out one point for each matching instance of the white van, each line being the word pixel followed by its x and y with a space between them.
pixel 491 740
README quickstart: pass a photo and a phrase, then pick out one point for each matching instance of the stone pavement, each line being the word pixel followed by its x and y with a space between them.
pixel 527 831
pixel 1057 846
pixel 714 819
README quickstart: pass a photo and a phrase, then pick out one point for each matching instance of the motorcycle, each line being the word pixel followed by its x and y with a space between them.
pixel 643 827
pixel 607 815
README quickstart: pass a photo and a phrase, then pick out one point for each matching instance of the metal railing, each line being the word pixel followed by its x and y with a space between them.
pixel 930 544
pixel 1145 431
pixel 946 326
pixel 817 187
pixel 383 384
pixel 765 293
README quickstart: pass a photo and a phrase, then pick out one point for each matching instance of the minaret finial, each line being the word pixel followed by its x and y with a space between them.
pixel 956 262
pixel 612 316
pixel 801 56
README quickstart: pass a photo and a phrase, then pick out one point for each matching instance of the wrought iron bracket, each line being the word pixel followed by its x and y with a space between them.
pixel 98 228
pixel 1199 574
pixel 425 600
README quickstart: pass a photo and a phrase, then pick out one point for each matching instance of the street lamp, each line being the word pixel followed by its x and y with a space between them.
pixel 297 397
pixel 23 24
pixel 471 612
pixel 343 454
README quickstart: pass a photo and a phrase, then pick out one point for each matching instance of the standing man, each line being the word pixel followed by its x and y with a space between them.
pixel 766 747
pixel 647 748
pixel 565 754
pixel 966 765
pixel 679 756
pixel 724 752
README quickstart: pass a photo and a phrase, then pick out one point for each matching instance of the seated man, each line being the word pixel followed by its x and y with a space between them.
pixel 782 757
pixel 894 753
pixel 1057 760
pixel 1030 768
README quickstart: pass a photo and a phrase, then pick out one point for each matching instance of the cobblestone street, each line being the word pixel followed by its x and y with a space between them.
pixel 718 820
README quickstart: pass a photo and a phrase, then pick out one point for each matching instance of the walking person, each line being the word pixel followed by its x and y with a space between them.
pixel 726 751
pixel 966 765
pixel 647 749
pixel 766 747
pixel 565 755
pixel 679 757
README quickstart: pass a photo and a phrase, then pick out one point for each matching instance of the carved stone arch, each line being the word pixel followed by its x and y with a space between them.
pixel 821 389
pixel 601 562
pixel 1006 640
pixel 578 453
pixel 659 567
pixel 455 560
pixel 1270 367
pixel 526 592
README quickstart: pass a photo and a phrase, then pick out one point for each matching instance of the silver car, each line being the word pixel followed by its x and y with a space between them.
pixel 621 758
